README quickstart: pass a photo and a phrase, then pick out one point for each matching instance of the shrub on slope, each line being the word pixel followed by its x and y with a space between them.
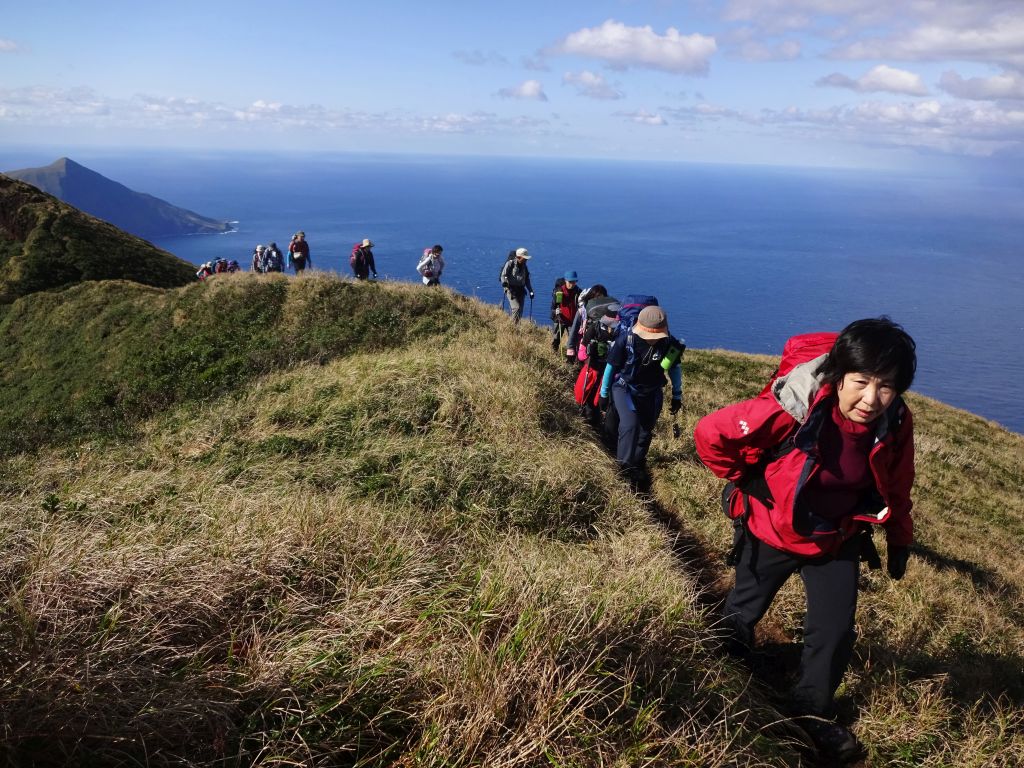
pixel 100 356
pixel 46 244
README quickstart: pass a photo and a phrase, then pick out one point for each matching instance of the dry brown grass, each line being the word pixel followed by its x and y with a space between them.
pixel 411 557
pixel 419 556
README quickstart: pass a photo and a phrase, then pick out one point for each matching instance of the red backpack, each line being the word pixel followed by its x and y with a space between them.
pixel 800 349
pixel 588 386
pixel 358 259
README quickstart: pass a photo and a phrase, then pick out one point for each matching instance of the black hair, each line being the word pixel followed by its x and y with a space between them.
pixel 876 346
pixel 597 290
pixel 437 249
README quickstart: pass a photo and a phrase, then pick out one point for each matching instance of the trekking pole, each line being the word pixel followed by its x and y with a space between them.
pixel 531 307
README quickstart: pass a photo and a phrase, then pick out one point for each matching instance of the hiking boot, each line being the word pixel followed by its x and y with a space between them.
pixel 834 742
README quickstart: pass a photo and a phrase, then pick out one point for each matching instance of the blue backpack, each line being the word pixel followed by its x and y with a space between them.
pixel 631 307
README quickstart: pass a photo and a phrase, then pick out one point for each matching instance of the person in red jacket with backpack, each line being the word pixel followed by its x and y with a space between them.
pixel 298 252
pixel 825 452
pixel 564 300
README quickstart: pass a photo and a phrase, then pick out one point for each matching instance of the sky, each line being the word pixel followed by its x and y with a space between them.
pixel 880 84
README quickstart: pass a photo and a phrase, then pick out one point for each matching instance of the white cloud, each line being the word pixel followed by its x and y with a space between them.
pixel 1007 85
pixel 959 129
pixel 83 107
pixel 643 117
pixel 592 84
pixel 706 111
pixel 994 40
pixel 783 15
pixel 9 46
pixel 930 125
pixel 989 31
pixel 477 122
pixel 880 78
pixel 531 90
pixel 621 47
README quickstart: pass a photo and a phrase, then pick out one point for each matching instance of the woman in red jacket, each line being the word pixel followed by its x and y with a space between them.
pixel 810 464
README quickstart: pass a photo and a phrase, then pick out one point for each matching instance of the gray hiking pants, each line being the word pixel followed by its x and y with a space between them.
pixel 516 301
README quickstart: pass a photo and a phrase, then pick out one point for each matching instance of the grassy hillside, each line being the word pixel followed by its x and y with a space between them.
pixel 323 523
pixel 46 244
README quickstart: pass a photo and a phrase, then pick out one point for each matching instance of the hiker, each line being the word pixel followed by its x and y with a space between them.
pixel 205 270
pixel 515 279
pixel 634 379
pixel 564 298
pixel 220 266
pixel 298 252
pixel 431 265
pixel 361 260
pixel 826 450
pixel 234 266
pixel 601 330
pixel 258 259
pixel 273 259
pixel 579 322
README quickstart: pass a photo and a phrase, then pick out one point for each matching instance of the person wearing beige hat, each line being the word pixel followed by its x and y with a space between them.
pixel 634 378
pixel 361 260
pixel 515 279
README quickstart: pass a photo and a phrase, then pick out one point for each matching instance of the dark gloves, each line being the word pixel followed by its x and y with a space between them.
pixel 603 402
pixel 677 405
pixel 896 561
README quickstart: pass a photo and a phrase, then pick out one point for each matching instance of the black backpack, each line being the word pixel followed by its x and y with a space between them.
pixel 501 272
pixel 598 336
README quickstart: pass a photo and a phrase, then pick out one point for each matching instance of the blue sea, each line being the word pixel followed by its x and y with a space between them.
pixel 740 257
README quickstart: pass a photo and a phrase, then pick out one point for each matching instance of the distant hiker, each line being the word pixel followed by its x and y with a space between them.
pixel 205 270
pixel 431 265
pixel 234 266
pixel 361 260
pixel 634 379
pixel 564 298
pixel 298 252
pixel 220 266
pixel 515 279
pixel 823 453
pixel 258 259
pixel 580 320
pixel 273 259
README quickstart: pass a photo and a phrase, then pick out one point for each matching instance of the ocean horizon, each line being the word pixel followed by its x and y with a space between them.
pixel 741 257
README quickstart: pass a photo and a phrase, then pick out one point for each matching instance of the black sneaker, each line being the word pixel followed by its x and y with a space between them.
pixel 833 741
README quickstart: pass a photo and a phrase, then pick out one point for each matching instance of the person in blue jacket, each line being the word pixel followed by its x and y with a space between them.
pixel 634 380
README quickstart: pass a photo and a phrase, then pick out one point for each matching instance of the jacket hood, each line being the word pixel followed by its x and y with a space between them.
pixel 797 390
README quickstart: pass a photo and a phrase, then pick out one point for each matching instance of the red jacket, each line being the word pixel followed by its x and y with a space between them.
pixel 563 312
pixel 736 441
